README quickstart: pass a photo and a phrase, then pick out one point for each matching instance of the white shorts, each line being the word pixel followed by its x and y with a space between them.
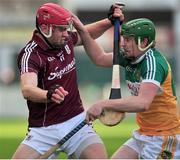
pixel 42 138
pixel 155 147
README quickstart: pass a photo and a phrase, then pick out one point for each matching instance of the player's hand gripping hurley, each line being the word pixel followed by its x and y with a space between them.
pixel 109 117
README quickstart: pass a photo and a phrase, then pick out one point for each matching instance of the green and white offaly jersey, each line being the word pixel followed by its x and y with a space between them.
pixel 153 67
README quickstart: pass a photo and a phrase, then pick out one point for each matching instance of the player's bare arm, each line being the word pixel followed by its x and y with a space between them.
pixel 94 51
pixel 96 29
pixel 31 92
pixel 138 103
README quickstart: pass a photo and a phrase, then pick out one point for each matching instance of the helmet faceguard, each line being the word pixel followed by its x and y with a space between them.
pixel 52 14
pixel 140 28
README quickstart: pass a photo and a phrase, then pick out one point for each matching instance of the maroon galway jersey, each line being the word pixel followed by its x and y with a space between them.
pixel 52 66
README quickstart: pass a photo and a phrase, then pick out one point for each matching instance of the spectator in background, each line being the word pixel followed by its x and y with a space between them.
pixel 7 75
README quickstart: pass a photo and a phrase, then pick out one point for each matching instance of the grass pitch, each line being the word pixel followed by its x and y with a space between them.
pixel 12 132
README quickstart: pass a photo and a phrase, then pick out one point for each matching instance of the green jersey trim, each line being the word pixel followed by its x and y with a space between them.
pixel 154 66
pixel 151 65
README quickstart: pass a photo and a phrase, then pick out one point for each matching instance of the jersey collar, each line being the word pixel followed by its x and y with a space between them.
pixel 140 58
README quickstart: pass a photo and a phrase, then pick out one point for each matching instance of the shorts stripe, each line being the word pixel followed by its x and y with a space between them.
pixel 169 145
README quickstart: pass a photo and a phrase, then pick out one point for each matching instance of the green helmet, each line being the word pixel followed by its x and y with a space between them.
pixel 140 28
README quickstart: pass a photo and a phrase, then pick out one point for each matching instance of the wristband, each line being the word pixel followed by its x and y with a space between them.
pixel 51 90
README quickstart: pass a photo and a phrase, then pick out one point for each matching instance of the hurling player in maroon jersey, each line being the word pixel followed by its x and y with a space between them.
pixel 49 84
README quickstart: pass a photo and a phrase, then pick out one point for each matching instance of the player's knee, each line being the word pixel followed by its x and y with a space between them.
pixel 94 151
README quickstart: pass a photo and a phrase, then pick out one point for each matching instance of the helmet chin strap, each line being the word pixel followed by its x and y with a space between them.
pixel 54 46
pixel 47 35
pixel 143 49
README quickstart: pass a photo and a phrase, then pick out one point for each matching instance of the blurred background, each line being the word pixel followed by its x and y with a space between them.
pixel 17 22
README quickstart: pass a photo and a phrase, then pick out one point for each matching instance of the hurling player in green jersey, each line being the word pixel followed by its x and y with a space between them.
pixel 153 99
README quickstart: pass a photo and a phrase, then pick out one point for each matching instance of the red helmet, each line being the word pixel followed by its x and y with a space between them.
pixel 54 14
